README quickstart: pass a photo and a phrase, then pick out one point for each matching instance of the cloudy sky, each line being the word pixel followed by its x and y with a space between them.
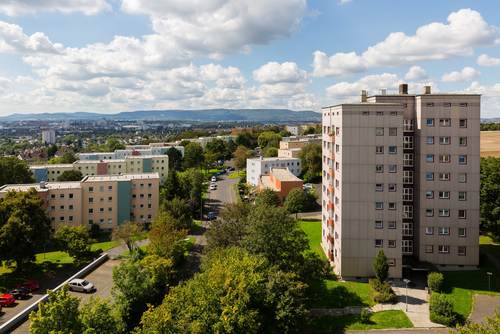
pixel 118 55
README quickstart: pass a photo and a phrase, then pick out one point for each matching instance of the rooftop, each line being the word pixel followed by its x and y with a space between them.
pixel 38 186
pixel 123 177
pixel 273 159
pixel 283 174
pixel 51 166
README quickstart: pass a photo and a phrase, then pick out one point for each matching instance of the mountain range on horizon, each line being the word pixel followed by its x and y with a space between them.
pixel 203 115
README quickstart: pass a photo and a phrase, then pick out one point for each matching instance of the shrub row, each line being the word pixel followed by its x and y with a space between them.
pixel 441 310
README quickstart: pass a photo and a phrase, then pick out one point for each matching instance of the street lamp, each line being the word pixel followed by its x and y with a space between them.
pixel 489 279
pixel 406 281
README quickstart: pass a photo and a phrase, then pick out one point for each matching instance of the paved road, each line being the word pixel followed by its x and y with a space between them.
pixel 403 331
pixel 484 306
pixel 225 193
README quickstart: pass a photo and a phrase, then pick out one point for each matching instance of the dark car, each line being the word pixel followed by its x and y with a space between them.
pixel 21 293
pixel 211 215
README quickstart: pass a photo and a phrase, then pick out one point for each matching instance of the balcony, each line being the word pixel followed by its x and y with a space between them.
pixel 330 188
pixel 329 222
pixel 329 206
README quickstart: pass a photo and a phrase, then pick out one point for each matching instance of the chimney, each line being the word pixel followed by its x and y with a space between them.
pixel 427 89
pixel 364 96
pixel 403 89
pixel 383 91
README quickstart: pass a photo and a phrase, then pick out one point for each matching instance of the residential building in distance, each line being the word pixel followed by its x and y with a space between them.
pixel 290 147
pixel 128 165
pixel 280 180
pixel 401 173
pixel 105 200
pixel 256 167
pixel 48 136
pixel 131 150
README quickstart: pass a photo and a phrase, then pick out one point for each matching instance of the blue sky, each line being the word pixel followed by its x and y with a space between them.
pixel 116 55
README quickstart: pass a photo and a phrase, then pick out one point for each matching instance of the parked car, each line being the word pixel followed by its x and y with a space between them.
pixel 214 179
pixel 80 285
pixel 307 186
pixel 213 187
pixel 7 299
pixel 20 293
pixel 211 215
pixel 31 285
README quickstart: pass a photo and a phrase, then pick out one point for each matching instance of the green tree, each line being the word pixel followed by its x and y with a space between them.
pixel 165 240
pixel 128 232
pixel 270 152
pixel 99 316
pixel 217 147
pixel 59 314
pixel 113 144
pixel 490 196
pixel 229 229
pixel 68 158
pixel 381 267
pixel 14 171
pixel 75 241
pixel 180 211
pixel 193 155
pixel 171 186
pixel 70 175
pixel 24 226
pixel 51 150
pixel 267 197
pixel 241 154
pixel 191 185
pixel 174 159
pixel 247 139
pixel 310 158
pixel 297 201
pixel 269 139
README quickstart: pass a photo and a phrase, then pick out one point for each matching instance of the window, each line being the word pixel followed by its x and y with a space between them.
pixel 392 187
pixel 444 122
pixel 429 212
pixel 429 104
pixel 394 113
pixel 393 149
pixel 462 141
pixel 444 176
pixel 447 104
pixel 391 224
pixel 111 187
pixel 379 243
pixel 462 195
pixel 379 224
pixel 444 140
pixel 463 104
pixel 393 131
pixel 70 218
pixel 379 187
pixel 444 195
pixel 444 212
pixel 366 113
pixel 444 158
pixel 379 168
pixel 429 248
pixel 429 140
pixel 391 243
pixel 462 214
pixel 462 123
pixel 429 121
pixel 462 177
pixel 462 232
pixel 70 195
pixel 70 207
pixel 392 205
pixel 380 113
pixel 61 195
pixel 91 189
pixel 429 194
pixel 53 196
pixel 429 176
pixel 443 249
pixel 379 205
pixel 393 168
pixel 61 207
pixel 429 158
pixel 444 230
pixel 91 210
pixel 462 250
pixel 429 230
pixel 91 200
pixel 462 159
pixel 379 131
pixel 379 150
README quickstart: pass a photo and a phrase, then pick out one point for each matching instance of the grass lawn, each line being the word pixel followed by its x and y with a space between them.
pixel 196 227
pixel 334 294
pixel 105 245
pixel 236 174
pixel 378 320
pixel 313 231
pixel 488 245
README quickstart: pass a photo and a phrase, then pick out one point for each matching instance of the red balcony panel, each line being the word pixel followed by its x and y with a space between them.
pixel 329 206
pixel 329 222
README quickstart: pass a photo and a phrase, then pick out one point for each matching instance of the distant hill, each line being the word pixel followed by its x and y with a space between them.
pixel 208 115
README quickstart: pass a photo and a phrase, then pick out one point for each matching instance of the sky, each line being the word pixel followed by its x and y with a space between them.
pixel 122 55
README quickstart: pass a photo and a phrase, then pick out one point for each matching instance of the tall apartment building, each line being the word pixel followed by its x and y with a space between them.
pixel 256 167
pixel 106 200
pixel 129 165
pixel 48 136
pixel 401 173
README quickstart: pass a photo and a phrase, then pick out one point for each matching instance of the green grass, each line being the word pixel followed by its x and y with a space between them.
pixel 105 245
pixel 334 294
pixel 313 231
pixel 236 174
pixel 487 244
pixel 197 226
pixel 378 320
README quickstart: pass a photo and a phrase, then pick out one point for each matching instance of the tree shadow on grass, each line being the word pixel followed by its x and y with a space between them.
pixel 322 296
pixel 331 324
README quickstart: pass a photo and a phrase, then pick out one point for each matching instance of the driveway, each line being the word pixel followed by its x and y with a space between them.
pixel 484 306
pixel 224 194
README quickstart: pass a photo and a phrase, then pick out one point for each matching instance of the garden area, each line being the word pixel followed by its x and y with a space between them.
pixel 377 320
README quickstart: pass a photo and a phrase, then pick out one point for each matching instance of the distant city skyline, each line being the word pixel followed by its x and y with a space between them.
pixel 121 55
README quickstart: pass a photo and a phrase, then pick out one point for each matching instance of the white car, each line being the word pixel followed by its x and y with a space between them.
pixel 213 187
pixel 214 179
pixel 81 285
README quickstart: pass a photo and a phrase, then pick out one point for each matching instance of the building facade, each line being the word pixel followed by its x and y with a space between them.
pixel 290 147
pixel 107 200
pixel 280 180
pixel 401 173
pixel 48 137
pixel 256 167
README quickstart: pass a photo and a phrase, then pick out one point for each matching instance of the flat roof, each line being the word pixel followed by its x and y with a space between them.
pixel 121 177
pixel 51 165
pixel 283 174
pixel 37 186
pixel 273 159
pixel 364 104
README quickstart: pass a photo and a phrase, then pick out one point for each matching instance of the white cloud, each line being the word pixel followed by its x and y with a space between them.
pixel 370 83
pixel 343 2
pixel 485 60
pixel 464 30
pixel 416 73
pixel 490 98
pixel 14 40
pixel 22 7
pixel 466 74
pixel 274 72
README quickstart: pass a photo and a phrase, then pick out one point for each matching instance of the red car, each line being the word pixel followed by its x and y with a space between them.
pixel 7 299
pixel 31 285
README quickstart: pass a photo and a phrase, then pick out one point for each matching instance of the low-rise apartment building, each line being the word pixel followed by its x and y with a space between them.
pixel 256 167
pixel 290 147
pixel 280 180
pixel 105 200
pixel 132 150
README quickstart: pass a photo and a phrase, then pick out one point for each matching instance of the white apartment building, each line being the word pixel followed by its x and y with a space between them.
pixel 401 173
pixel 256 167
pixel 48 136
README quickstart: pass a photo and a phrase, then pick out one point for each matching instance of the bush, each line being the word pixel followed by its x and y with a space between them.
pixel 441 310
pixel 435 281
pixel 380 266
pixel 364 316
pixel 383 292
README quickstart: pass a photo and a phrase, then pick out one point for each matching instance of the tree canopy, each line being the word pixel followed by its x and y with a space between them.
pixel 490 196
pixel 193 155
pixel 269 139
pixel 174 159
pixel 310 158
pixel 14 171
pixel 241 154
pixel 70 175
